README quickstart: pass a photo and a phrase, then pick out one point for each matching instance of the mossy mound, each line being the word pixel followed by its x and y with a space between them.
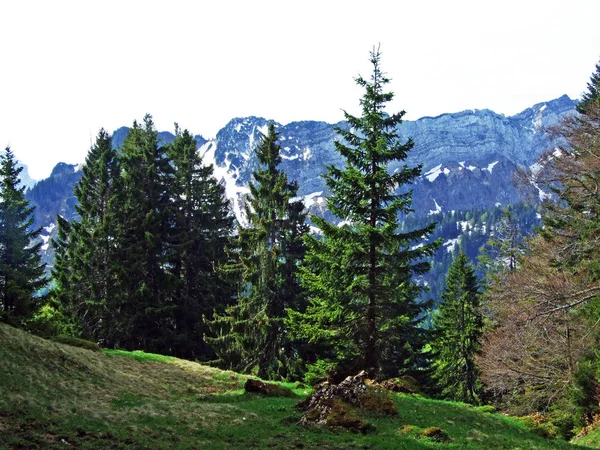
pixel 378 403
pixel 268 389
pixel 342 414
pixel 404 384
pixel 436 434
pixel 76 342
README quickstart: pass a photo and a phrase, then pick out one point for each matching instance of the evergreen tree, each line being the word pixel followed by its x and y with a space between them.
pixel 458 327
pixel 359 274
pixel 21 271
pixel 143 302
pixel 86 249
pixel 201 225
pixel 252 334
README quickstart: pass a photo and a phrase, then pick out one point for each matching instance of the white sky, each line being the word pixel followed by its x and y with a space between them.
pixel 70 68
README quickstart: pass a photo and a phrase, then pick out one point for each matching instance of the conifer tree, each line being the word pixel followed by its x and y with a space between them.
pixel 458 327
pixel 363 308
pixel 252 334
pixel 201 225
pixel 143 307
pixel 21 270
pixel 86 249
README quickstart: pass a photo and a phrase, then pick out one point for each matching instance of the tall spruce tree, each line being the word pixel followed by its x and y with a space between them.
pixel 143 307
pixel 21 270
pixel 252 335
pixel 363 307
pixel 86 249
pixel 201 225
pixel 458 327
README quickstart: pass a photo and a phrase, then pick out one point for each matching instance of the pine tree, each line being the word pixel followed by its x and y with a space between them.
pixel 144 286
pixel 21 270
pixel 363 309
pixel 458 327
pixel 200 229
pixel 252 335
pixel 86 249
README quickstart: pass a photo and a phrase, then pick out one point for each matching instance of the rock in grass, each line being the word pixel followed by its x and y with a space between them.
pixel 340 405
pixel 267 389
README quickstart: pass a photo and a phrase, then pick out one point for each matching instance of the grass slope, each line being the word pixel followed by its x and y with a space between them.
pixel 54 396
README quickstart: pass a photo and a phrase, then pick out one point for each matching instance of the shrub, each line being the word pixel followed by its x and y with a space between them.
pixel 317 372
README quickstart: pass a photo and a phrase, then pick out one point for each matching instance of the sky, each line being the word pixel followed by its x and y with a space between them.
pixel 69 68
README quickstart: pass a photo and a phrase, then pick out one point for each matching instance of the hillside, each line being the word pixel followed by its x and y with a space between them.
pixel 55 396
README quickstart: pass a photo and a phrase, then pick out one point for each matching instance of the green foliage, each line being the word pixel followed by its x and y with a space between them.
pixel 318 371
pixel 585 392
pixel 21 271
pixel 458 328
pixel 251 335
pixel 363 312
pixel 139 268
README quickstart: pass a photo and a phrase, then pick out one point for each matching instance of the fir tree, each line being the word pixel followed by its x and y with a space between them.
pixel 86 249
pixel 252 335
pixel 143 303
pixel 21 270
pixel 363 309
pixel 201 225
pixel 458 327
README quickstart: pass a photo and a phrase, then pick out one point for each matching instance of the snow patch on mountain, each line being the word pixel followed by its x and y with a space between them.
pixel 437 210
pixel 491 166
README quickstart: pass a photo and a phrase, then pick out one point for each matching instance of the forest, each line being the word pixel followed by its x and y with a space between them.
pixel 157 262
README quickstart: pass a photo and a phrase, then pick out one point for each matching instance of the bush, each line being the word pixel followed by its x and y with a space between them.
pixel 76 342
pixel 317 372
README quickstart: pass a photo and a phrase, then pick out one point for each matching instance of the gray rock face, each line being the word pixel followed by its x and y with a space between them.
pixel 468 157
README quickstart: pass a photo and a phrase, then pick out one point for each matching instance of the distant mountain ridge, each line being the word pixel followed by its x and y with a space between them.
pixel 468 159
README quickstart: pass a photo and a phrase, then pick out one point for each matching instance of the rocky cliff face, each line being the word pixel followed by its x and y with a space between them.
pixel 468 158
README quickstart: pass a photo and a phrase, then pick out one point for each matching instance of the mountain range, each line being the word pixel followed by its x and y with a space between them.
pixel 467 160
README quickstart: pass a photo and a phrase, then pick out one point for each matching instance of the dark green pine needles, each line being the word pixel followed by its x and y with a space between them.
pixel 21 271
pixel 458 327
pixel 363 311
pixel 252 336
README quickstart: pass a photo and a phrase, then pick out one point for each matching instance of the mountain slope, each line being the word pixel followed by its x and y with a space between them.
pixel 468 159
pixel 55 396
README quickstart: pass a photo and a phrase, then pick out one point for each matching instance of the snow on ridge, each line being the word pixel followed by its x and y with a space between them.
pixel 234 193
pixel 437 210
pixel 264 129
pixel 434 173
pixel 307 153
pixel 49 228
pixel 491 166
pixel 450 244
pixel 310 199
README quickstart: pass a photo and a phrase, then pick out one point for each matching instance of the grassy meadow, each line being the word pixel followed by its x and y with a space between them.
pixel 57 396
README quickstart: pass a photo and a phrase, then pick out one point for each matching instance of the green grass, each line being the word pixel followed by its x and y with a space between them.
pixel 56 396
